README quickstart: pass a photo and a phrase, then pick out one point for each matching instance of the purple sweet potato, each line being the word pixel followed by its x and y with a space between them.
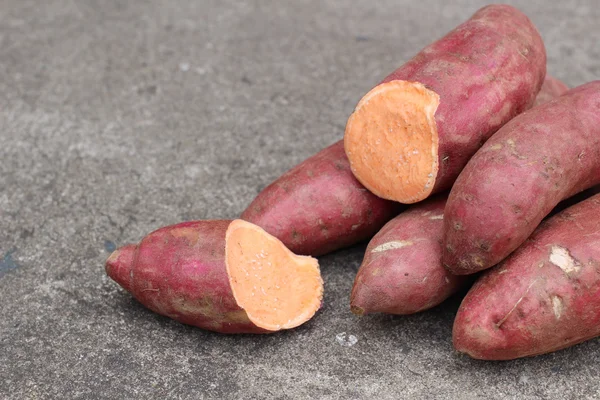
pixel 551 89
pixel 539 158
pixel 543 297
pixel 319 206
pixel 402 271
pixel 412 134
pixel 224 276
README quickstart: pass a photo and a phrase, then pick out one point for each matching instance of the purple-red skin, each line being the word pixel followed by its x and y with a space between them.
pixel 409 276
pixel 486 71
pixel 535 303
pixel 412 278
pixel 551 88
pixel 179 271
pixel 539 158
pixel 319 206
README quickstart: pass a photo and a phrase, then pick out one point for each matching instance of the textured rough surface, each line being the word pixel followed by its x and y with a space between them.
pixel 536 160
pixel 118 117
pixel 544 297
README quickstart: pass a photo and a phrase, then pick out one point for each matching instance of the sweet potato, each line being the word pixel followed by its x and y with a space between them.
pixel 551 88
pixel 402 271
pixel 412 134
pixel 539 158
pixel 319 206
pixel 543 297
pixel 224 276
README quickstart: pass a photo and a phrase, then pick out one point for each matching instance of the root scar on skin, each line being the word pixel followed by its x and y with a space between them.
pixel 392 245
pixel 557 306
pixel 560 257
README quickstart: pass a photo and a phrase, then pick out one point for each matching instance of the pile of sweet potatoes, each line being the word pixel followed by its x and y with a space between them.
pixel 473 119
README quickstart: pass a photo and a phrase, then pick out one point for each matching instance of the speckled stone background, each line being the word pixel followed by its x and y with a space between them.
pixel 118 117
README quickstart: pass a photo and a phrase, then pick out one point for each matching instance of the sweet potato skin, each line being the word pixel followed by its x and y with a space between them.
pixel 402 271
pixel 539 158
pixel 319 206
pixel 179 271
pixel 486 71
pixel 544 297
pixel 409 277
pixel 551 88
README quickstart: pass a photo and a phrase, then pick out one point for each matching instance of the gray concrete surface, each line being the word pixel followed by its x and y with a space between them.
pixel 117 117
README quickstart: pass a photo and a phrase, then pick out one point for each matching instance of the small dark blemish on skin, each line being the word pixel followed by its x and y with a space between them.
pixel 406 274
pixel 246 80
pixel 362 38
pixel 517 209
pixel 286 187
pixel 457 226
pixel 485 246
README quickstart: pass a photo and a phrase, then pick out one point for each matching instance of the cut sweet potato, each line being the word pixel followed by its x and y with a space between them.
pixel 402 271
pixel 224 276
pixel 411 135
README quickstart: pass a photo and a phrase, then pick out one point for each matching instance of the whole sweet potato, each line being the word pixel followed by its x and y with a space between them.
pixel 412 134
pixel 539 158
pixel 224 276
pixel 544 297
pixel 402 271
pixel 551 89
pixel 319 206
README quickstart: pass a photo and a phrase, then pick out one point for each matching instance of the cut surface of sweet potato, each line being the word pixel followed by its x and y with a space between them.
pixel 276 288
pixel 391 140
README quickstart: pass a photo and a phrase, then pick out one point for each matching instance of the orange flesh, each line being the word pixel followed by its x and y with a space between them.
pixel 276 288
pixel 391 141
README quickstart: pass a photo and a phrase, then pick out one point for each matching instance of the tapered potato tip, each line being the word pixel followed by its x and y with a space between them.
pixel 119 264
pixel 360 296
